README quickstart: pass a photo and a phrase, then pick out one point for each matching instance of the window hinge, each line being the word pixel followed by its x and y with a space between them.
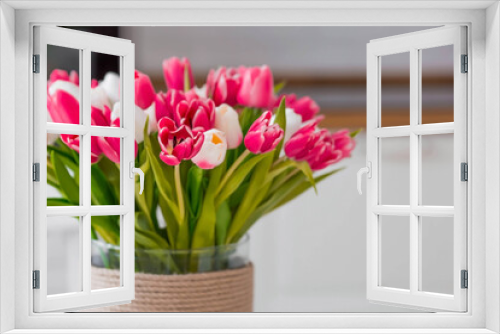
pixel 464 171
pixel 36 279
pixel 36 63
pixel 36 172
pixel 465 64
pixel 465 279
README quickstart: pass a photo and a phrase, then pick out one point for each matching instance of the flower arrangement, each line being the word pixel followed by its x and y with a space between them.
pixel 215 158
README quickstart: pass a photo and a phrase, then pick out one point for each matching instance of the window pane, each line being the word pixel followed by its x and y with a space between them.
pixel 437 84
pixel 394 251
pixel 437 254
pixel 437 169
pixel 105 90
pixel 63 94
pixel 105 250
pixel 105 171
pixel 395 170
pixel 63 255
pixel 395 89
pixel 63 169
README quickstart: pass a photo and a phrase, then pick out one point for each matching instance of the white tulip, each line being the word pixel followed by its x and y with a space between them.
pixel 140 120
pixel 98 98
pixel 66 86
pixel 213 150
pixel 226 120
pixel 293 123
pixel 111 85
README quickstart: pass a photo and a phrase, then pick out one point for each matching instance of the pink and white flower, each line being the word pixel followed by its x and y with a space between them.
pixel 213 150
pixel 177 143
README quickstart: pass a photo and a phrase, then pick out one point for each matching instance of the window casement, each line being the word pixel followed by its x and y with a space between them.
pixel 82 136
pixel 480 298
pixel 408 210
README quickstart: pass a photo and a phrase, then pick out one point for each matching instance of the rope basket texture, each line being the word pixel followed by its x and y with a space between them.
pixel 219 291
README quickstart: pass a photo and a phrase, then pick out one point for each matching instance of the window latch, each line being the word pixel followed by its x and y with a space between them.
pixel 365 170
pixel 133 170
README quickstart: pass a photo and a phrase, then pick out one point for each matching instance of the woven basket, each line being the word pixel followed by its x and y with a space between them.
pixel 219 291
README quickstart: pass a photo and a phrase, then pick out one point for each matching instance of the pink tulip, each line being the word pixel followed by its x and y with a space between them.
pixel 343 141
pixel 197 114
pixel 262 137
pixel 173 71
pixel 177 143
pixel 63 107
pixel 73 142
pixel 318 147
pixel 257 87
pixel 144 91
pixel 64 76
pixel 305 106
pixel 223 86
pixel 98 117
pixel 166 103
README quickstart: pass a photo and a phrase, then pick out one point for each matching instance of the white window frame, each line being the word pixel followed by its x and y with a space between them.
pixel 483 21
pixel 414 44
pixel 84 43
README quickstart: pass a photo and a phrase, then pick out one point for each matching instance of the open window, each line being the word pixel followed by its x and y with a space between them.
pixel 81 130
pixel 429 228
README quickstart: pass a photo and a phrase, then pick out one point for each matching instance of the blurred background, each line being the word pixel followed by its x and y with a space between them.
pixel 310 255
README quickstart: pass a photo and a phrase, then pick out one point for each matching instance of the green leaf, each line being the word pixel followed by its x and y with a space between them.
pixel 355 133
pixel 281 121
pixel 108 227
pixel 194 193
pixel 237 178
pixel 162 180
pixel 252 198
pixel 222 223
pixel 237 196
pixel 303 187
pixel 278 87
pixel 204 233
pixel 187 79
pixel 67 185
pixel 102 193
pixel 53 201
pixel 304 167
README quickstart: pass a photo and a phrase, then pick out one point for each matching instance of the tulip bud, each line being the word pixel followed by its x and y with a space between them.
pixel 213 150
pixel 257 87
pixel 144 91
pixel 175 70
pixel 226 120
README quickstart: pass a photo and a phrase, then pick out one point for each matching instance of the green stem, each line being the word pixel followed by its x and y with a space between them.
pixel 231 170
pixel 178 190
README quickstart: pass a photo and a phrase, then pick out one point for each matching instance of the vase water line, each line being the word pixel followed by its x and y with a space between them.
pixel 212 279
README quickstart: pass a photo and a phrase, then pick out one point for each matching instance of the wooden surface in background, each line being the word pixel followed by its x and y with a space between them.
pixel 357 117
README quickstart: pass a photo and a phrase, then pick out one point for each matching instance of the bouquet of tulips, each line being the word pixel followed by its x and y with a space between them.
pixel 215 158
